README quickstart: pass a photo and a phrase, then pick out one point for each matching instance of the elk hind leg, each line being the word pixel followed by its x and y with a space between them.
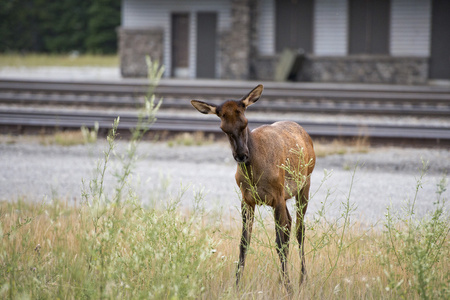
pixel 283 223
pixel 248 216
pixel 302 203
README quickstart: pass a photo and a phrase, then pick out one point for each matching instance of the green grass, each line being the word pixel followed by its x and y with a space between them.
pixel 58 60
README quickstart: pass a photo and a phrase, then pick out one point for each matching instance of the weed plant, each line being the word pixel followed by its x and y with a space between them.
pixel 417 250
pixel 110 245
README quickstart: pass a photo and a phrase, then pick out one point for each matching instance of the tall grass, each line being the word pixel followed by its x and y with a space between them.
pixel 123 249
pixel 417 250
pixel 111 245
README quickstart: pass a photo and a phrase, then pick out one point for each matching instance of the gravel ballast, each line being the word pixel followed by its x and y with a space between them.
pixel 384 176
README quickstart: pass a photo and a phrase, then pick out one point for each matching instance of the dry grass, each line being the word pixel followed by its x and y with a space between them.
pixel 191 139
pixel 63 138
pixel 58 60
pixel 53 250
pixel 341 147
pixel 71 137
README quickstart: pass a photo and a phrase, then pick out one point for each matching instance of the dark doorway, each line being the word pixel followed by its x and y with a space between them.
pixel 206 44
pixel 180 45
pixel 369 26
pixel 440 40
pixel 294 24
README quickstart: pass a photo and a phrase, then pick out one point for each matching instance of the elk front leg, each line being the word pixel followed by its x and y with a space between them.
pixel 283 230
pixel 248 215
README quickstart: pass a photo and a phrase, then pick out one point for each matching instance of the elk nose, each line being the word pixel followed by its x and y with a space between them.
pixel 241 158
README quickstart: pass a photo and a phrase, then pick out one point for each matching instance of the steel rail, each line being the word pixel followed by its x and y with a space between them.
pixel 273 106
pixel 237 90
pixel 73 119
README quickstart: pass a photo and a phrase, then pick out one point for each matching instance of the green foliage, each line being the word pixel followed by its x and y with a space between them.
pixel 63 24
pixel 19 26
pixel 59 26
pixel 104 18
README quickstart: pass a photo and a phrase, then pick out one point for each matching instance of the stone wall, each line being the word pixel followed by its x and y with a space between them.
pixel 236 45
pixel 263 67
pixel 134 45
pixel 356 69
pixel 366 69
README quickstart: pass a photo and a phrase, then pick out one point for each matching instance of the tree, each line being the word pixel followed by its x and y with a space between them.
pixel 18 26
pixel 63 24
pixel 59 26
pixel 104 18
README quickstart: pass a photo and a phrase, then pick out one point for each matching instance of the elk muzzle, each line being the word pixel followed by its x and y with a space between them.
pixel 239 147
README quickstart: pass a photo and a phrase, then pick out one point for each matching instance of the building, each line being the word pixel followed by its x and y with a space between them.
pixel 376 41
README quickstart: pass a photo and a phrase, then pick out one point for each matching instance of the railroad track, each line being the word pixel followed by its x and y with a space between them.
pixel 279 97
pixel 74 120
pixel 59 104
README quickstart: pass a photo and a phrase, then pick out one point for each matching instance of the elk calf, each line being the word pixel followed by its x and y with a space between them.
pixel 264 157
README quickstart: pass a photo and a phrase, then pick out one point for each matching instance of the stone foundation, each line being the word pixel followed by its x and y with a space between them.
pixel 263 67
pixel 352 69
pixel 365 69
pixel 134 45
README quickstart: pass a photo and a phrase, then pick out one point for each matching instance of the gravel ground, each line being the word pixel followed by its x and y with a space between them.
pixel 34 171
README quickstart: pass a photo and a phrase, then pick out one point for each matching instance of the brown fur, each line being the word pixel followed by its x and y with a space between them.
pixel 261 154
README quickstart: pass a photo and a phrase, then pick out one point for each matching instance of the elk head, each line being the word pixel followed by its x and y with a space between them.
pixel 233 121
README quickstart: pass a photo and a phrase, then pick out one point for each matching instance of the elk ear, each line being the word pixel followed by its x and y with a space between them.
pixel 203 107
pixel 253 96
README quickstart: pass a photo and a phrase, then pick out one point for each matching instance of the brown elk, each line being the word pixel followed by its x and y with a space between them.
pixel 262 175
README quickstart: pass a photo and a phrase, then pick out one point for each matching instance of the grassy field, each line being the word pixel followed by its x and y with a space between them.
pixel 101 248
pixel 60 60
